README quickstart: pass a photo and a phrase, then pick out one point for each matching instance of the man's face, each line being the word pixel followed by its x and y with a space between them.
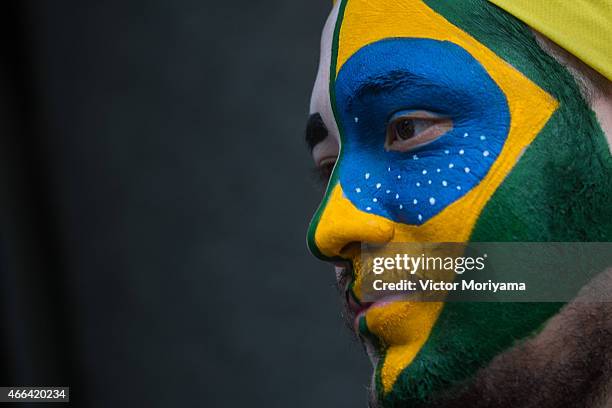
pixel 444 122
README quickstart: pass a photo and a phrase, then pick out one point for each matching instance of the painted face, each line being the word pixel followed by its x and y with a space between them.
pixel 452 125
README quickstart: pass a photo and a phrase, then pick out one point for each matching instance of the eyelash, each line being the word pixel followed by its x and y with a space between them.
pixel 423 128
pixel 324 171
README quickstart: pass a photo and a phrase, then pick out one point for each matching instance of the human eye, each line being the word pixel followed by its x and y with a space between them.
pixel 324 169
pixel 409 130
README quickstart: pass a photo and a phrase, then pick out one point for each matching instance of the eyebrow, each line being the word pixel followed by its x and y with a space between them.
pixel 316 131
pixel 388 82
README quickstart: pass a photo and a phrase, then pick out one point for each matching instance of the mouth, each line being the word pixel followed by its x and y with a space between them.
pixel 356 310
pixel 392 327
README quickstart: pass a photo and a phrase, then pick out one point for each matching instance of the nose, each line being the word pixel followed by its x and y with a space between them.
pixel 338 227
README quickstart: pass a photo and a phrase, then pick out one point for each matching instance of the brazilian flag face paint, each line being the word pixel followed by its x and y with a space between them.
pixel 521 158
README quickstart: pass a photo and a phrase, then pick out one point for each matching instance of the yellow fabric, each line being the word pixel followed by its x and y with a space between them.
pixel 582 27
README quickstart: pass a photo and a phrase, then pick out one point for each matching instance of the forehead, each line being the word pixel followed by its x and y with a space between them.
pixel 362 22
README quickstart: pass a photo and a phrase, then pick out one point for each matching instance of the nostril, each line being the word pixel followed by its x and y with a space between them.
pixel 350 250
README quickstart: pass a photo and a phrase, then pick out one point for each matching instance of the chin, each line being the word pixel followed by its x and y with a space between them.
pixel 420 350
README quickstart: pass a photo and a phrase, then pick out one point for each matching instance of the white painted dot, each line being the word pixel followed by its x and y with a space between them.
pixel 367 176
pixel 378 185
pixel 399 176
pixel 358 190
pixel 420 217
pixel 451 165
pixel 465 135
pixel 415 157
pixel 375 200
pixel 356 119
pixel 369 208
pixel 418 184
pixel 485 153
pixel 467 169
pixel 432 200
pixel 428 181
pixel 446 151
pixel 483 137
pixel 415 201
pixel 397 196
pixel 388 168
pixel 424 172
pixel 444 183
pixel 438 170
pixel 388 191
pixel 458 187
pixel 401 206
pixel 461 151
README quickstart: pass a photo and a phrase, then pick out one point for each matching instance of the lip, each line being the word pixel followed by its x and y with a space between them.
pixel 356 309
pixel 359 310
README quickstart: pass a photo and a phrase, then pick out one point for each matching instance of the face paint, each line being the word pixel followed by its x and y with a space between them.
pixel 507 100
pixel 411 74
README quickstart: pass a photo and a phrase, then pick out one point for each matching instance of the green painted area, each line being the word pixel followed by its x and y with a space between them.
pixel 559 191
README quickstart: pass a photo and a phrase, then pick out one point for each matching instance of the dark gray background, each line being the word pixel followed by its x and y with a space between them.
pixel 156 192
